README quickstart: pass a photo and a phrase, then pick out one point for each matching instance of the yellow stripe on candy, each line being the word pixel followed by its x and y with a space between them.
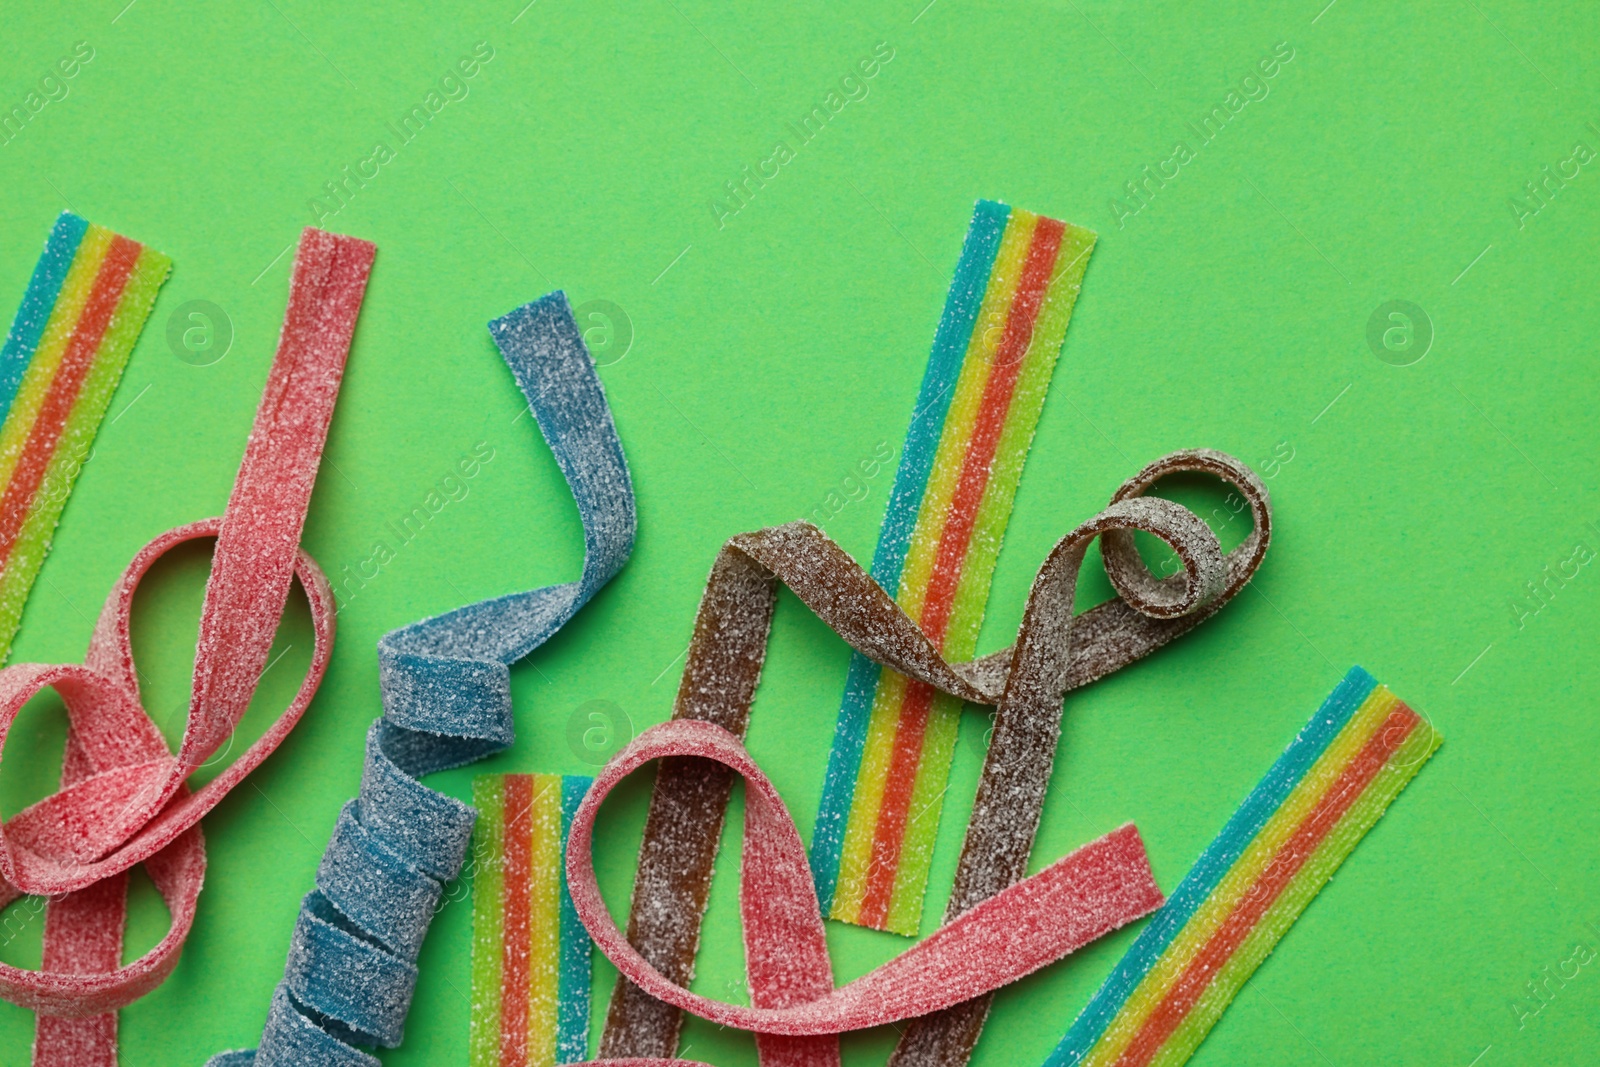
pixel 876 753
pixel 965 404
pixel 1245 872
pixel 35 386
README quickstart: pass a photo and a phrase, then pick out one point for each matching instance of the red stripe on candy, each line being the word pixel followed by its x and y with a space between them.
pixel 889 834
pixel 1305 841
pixel 63 393
pixel 517 937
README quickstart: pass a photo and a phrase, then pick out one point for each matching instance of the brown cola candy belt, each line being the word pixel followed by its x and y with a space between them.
pixel 1055 652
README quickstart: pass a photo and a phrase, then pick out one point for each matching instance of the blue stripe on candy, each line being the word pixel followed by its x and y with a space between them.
pixel 37 304
pixel 950 343
pixel 961 307
pixel 1213 864
pixel 575 973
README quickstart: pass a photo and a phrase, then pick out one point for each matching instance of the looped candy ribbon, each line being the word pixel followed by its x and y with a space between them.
pixel 1100 887
pixel 447 702
pixel 123 797
pixel 1055 652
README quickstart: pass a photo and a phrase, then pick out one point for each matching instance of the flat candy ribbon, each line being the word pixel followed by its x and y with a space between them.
pixel 982 393
pixel 447 701
pixel 1282 845
pixel 1055 652
pixel 123 799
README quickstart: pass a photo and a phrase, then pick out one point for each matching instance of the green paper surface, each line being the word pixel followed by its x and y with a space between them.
pixel 1436 517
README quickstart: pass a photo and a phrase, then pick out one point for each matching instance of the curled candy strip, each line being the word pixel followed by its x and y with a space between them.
pixel 796 1012
pixel 447 702
pixel 1055 652
pixel 123 798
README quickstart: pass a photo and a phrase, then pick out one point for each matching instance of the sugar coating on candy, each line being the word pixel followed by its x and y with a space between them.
pixel 84 308
pixel 1056 651
pixel 1036 921
pixel 1281 847
pixel 123 799
pixel 1002 327
pixel 447 702
pixel 531 968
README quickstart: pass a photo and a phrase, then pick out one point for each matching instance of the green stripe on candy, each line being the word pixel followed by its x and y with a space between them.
pixel 488 891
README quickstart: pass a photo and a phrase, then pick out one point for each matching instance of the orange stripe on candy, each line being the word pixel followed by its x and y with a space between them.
pixel 516 933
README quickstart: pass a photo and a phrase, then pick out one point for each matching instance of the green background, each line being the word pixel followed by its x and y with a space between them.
pixel 774 351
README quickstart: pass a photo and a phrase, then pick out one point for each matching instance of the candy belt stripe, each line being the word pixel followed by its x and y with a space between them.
pixel 997 344
pixel 85 306
pixel 530 954
pixel 1323 794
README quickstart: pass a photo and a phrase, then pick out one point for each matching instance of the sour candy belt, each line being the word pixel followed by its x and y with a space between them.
pixel 84 308
pixel 1292 832
pixel 1003 323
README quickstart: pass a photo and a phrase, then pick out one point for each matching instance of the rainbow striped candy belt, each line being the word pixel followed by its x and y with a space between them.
pixel 982 393
pixel 75 329
pixel 1276 853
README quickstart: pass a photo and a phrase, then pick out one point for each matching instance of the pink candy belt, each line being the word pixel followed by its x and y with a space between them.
pixel 124 798
pixel 796 1011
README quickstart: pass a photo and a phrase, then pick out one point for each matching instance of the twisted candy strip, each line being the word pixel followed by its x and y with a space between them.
pixel 123 798
pixel 1055 651
pixel 447 702
pixel 1016 770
